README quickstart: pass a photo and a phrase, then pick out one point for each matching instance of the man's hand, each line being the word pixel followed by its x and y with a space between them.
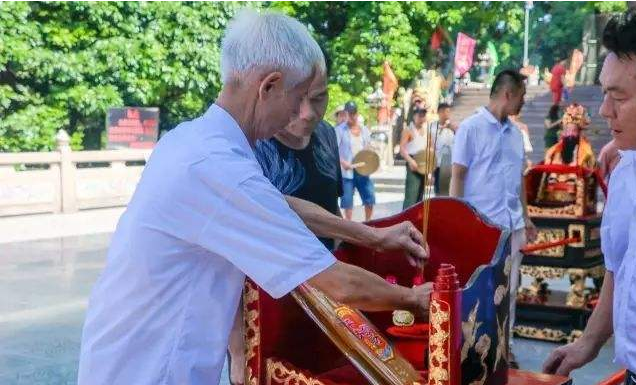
pixel 413 165
pixel 346 165
pixel 531 231
pixel 569 357
pixel 403 236
pixel 423 298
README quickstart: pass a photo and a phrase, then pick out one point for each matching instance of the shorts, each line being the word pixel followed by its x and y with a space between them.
pixel 365 188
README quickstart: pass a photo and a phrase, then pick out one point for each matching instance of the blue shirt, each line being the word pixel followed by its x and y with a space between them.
pixel 344 145
pixel 618 242
pixel 202 218
pixel 492 152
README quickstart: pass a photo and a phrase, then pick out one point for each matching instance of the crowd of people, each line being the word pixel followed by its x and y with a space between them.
pixel 246 189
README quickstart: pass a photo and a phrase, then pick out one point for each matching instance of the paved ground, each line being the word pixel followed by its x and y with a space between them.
pixel 45 286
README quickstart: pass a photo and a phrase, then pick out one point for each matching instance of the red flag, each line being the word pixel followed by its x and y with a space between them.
pixel 436 39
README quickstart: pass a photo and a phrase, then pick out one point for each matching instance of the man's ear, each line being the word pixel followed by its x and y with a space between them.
pixel 270 83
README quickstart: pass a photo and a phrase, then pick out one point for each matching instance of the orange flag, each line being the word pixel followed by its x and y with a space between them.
pixel 389 86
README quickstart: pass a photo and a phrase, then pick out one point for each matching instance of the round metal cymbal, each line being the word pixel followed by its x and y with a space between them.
pixel 421 159
pixel 366 162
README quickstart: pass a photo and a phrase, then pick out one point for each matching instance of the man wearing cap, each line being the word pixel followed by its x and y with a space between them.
pixel 340 115
pixel 354 137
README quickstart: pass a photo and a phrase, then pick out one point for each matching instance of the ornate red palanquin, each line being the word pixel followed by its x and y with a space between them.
pixel 562 203
pixel 284 346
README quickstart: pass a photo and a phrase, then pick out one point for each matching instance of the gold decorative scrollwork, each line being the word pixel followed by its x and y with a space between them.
pixel 547 236
pixel 252 333
pixel 543 271
pixel 546 334
pixel 596 271
pixel 576 297
pixel 573 231
pixel 439 338
pixel 278 372
pixel 552 212
pixel 469 331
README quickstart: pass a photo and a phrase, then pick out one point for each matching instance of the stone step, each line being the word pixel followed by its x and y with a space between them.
pixel 383 188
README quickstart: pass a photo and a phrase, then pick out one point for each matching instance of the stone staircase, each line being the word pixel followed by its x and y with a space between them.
pixel 538 102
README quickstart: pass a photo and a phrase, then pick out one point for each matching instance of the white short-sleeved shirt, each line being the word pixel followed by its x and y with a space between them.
pixel 203 217
pixel 618 242
pixel 444 138
pixel 493 154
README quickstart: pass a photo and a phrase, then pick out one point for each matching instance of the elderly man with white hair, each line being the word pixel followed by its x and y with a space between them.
pixel 204 217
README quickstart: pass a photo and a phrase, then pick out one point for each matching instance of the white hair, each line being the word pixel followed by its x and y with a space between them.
pixel 269 40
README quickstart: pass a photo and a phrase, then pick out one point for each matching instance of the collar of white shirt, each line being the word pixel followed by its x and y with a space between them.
pixel 492 119
pixel 223 119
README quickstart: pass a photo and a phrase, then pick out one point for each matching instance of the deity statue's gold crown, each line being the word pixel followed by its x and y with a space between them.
pixel 576 114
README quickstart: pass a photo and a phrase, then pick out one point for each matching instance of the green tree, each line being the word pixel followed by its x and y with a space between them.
pixel 62 64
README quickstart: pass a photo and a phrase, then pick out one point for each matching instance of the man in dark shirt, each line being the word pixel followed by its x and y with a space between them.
pixel 311 173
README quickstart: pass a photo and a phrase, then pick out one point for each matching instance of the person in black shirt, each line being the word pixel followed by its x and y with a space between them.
pixel 312 173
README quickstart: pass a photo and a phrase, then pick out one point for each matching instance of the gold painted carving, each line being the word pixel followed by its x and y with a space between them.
pixel 550 235
pixel 469 330
pixel 439 338
pixel 576 297
pixel 502 345
pixel 543 271
pixel 279 373
pixel 482 347
pixel 580 229
pixel 546 334
pixel 252 333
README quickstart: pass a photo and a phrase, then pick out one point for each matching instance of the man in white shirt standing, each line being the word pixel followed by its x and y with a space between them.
pixel 203 217
pixel 487 171
pixel 616 309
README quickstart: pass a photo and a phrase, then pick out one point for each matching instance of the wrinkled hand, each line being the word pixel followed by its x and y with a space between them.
pixel 413 165
pixel 531 231
pixel 423 298
pixel 403 236
pixel 569 357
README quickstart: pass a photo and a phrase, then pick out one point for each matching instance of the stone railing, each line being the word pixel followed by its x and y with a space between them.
pixel 66 181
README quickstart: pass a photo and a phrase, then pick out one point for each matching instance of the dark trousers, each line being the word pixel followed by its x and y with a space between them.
pixel 413 188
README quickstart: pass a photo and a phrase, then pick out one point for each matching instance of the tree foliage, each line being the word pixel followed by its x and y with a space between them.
pixel 62 64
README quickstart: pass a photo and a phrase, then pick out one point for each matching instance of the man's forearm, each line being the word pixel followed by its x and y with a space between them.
pixel 458 173
pixel 362 289
pixel 327 225
pixel 600 326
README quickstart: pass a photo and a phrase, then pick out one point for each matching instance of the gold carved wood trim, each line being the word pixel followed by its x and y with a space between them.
pixel 437 358
pixel 278 373
pixel 580 229
pixel 252 334
pixel 546 334
pixel 550 235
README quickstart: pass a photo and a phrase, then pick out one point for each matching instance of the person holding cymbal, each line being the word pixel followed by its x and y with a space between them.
pixel 353 138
